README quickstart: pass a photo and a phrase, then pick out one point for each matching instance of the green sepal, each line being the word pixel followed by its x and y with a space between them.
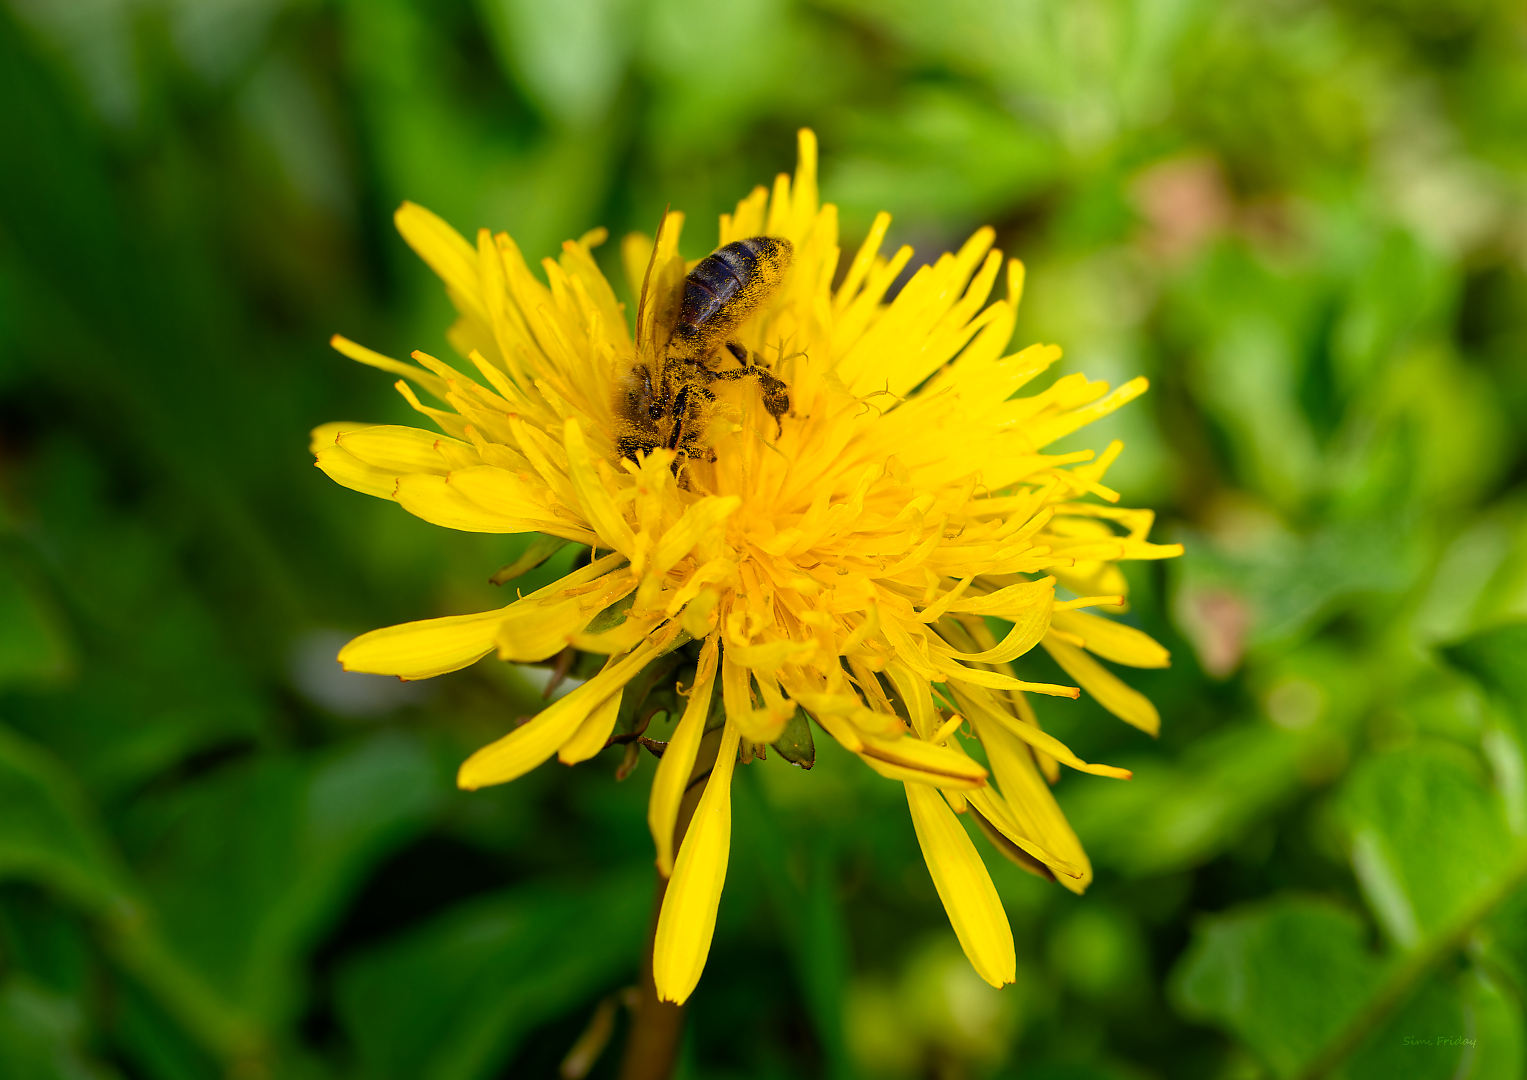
pixel 612 616
pixel 795 744
pixel 540 549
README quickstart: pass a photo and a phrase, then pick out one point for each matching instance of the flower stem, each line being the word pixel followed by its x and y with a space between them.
pixel 657 1027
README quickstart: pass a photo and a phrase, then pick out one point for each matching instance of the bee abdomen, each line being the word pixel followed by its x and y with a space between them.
pixel 724 289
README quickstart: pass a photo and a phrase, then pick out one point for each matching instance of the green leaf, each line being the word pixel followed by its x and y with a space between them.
pixel 49 836
pixel 1428 840
pixel 34 646
pixel 1494 1015
pixel 451 999
pixel 1284 977
pixel 1294 979
pixel 1425 1038
pixel 1169 817
pixel 1498 659
pixel 570 59
pixel 42 1035
pixel 43 940
pixel 252 863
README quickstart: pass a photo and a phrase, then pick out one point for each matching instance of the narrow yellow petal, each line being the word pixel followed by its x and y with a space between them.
pixel 930 763
pixel 977 700
pixel 359 353
pixel 894 771
pixel 535 631
pixel 964 886
pixel 594 732
pixel 688 919
pixel 700 519
pixel 445 251
pixel 503 492
pixel 436 500
pixel 618 639
pixel 1113 640
pixel 756 725
pixel 674 767
pixel 599 506
pixel 917 696
pixel 347 470
pixel 736 686
pixel 954 671
pixel 419 650
pixel 1111 692
pixel 532 743
pixel 322 437
pixel 1030 800
pixel 1028 627
pixel 1007 602
pixel 401 449
pixel 990 805
pixel 635 254
pixel 770 655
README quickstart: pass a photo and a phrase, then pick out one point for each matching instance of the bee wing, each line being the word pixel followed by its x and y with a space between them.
pixel 662 291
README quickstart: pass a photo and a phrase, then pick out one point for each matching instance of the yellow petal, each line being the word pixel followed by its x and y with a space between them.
pixel 688 919
pixel 401 449
pixel 954 671
pixel 1029 625
pixel 893 771
pixel 322 437
pixel 445 251
pixel 419 650
pixel 770 655
pixel 1113 640
pixel 532 743
pixel 1111 692
pixel 990 805
pixel 921 761
pixel 635 254
pixel 594 732
pixel 433 383
pixel 736 686
pixel 977 700
pixel 615 640
pixel 1028 797
pixel 916 695
pixel 756 725
pixel 347 470
pixel 701 519
pixel 964 886
pixel 535 631
pixel 503 492
pixel 436 500
pixel 674 767
pixel 599 507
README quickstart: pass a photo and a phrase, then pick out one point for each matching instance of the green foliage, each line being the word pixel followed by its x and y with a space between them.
pixel 451 999
pixel 221 856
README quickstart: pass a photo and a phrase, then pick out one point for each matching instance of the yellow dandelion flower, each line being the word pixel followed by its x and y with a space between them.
pixel 841 561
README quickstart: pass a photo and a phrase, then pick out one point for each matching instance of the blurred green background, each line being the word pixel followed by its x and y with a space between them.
pixel 1305 221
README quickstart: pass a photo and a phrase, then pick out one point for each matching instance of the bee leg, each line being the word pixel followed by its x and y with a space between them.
pixel 776 393
pixel 776 397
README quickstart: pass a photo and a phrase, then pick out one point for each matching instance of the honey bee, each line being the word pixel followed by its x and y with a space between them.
pixel 669 404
